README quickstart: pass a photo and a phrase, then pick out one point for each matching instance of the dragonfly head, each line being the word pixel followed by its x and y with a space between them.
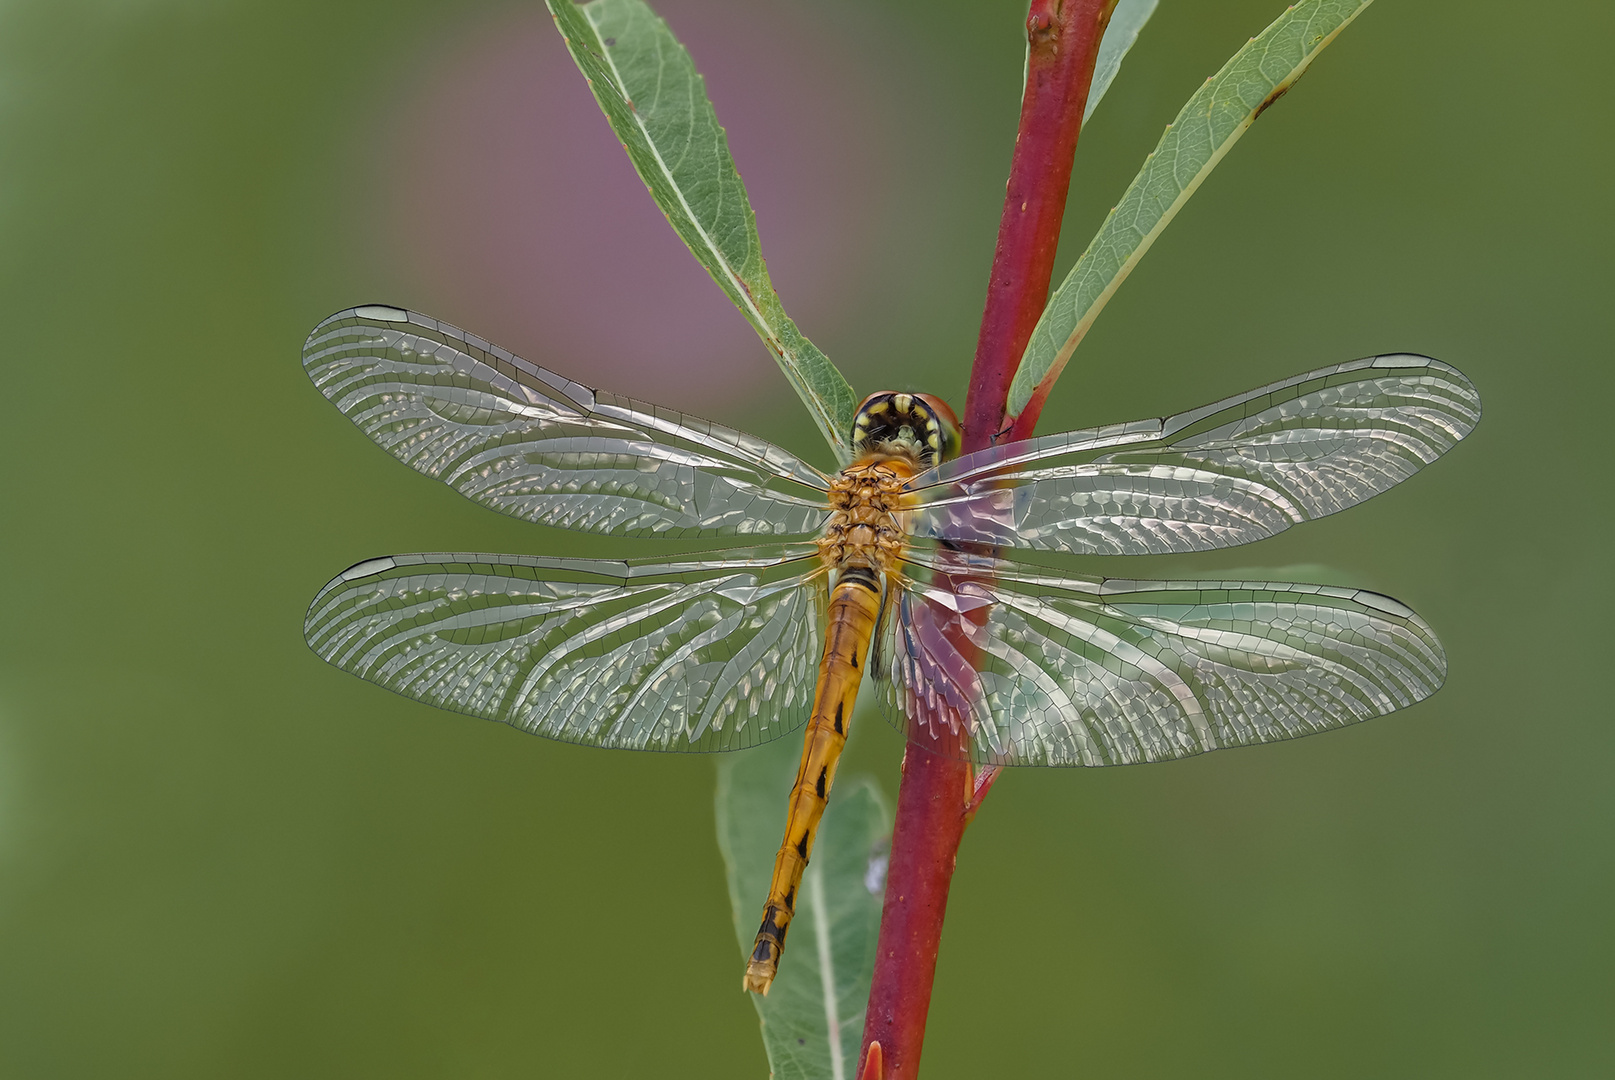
pixel 917 424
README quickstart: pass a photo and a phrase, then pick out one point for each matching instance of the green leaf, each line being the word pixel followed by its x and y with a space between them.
pixel 813 1016
pixel 1126 21
pixel 1211 122
pixel 656 102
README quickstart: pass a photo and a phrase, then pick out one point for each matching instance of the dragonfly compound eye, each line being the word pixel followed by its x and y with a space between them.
pixel 917 424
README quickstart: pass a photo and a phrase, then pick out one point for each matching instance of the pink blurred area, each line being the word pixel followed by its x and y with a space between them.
pixel 508 207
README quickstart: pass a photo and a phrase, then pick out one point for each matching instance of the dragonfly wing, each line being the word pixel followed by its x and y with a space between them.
pixel 1229 473
pixel 1064 670
pixel 535 445
pixel 692 656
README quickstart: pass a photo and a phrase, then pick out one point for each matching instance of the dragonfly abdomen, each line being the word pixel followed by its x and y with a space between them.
pixel 854 607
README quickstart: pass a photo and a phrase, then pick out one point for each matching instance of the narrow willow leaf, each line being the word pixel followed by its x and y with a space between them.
pixel 656 102
pixel 1212 121
pixel 1125 23
pixel 813 1016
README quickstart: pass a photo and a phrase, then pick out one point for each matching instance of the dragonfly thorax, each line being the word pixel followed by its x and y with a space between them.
pixel 864 529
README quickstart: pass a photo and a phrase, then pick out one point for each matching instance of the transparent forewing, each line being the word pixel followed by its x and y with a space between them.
pixel 1062 670
pixel 1226 474
pixel 532 444
pixel 693 656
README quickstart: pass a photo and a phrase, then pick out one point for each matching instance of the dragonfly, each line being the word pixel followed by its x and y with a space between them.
pixel 905 563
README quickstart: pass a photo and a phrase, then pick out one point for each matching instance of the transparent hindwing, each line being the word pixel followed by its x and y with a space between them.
pixel 1015 665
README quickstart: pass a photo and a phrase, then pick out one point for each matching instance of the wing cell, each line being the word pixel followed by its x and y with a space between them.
pixel 707 655
pixel 530 443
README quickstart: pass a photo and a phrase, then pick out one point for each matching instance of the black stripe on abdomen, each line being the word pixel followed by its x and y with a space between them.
pixel 859 575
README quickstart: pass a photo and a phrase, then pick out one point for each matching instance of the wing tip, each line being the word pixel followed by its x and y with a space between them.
pixel 1465 386
pixel 313 345
pixel 357 572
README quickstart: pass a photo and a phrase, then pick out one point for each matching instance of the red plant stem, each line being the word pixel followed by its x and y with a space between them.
pixel 936 798
pixel 1063 45
pixel 930 823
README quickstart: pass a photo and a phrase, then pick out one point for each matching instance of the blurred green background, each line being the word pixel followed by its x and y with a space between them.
pixel 219 857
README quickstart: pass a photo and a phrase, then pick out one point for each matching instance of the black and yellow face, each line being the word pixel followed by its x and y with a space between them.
pixel 917 424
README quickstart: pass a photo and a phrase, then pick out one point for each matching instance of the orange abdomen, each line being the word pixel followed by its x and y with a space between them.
pixel 854 608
